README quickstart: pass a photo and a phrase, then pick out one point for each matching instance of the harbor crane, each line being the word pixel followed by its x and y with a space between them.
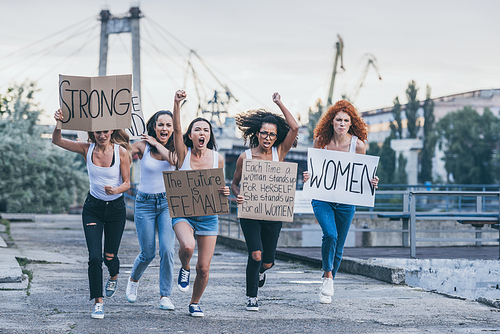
pixel 339 46
pixel 372 62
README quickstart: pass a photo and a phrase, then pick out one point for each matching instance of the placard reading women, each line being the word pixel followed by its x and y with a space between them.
pixel 268 188
pixel 194 193
pixel 341 177
pixel 95 103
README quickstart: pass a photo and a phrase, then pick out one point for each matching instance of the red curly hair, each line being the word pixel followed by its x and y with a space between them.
pixel 324 129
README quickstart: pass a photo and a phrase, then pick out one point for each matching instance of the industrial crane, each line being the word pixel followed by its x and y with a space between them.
pixel 371 62
pixel 339 47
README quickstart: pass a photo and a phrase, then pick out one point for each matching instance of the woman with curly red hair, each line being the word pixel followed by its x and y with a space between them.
pixel 340 129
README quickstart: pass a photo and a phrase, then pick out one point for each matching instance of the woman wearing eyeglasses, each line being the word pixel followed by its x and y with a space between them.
pixel 270 137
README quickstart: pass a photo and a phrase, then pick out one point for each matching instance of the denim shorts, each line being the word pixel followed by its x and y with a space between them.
pixel 202 225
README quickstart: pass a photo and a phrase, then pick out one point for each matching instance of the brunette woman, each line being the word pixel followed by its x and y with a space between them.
pixel 151 214
pixel 196 149
pixel 271 137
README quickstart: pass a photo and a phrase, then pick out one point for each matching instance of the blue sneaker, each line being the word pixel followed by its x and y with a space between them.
pixel 98 313
pixel 111 287
pixel 183 280
pixel 195 310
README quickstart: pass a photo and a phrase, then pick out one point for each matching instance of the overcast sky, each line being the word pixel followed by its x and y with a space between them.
pixel 259 47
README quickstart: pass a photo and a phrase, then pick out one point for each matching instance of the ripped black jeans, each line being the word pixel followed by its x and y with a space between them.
pixel 109 217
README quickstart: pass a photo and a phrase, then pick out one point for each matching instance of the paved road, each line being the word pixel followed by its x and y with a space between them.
pixel 57 298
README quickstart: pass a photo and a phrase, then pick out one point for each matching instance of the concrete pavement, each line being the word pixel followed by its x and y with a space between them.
pixel 56 299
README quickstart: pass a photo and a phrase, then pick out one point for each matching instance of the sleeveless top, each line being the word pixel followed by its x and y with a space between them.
pixel 104 176
pixel 352 145
pixel 274 151
pixel 151 173
pixel 186 165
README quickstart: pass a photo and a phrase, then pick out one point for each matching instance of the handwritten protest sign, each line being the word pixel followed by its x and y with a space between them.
pixel 195 193
pixel 95 103
pixel 268 188
pixel 341 177
pixel 138 126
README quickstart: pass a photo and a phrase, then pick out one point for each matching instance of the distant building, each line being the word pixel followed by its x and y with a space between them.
pixel 379 120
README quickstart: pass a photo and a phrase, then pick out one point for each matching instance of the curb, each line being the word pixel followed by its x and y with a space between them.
pixel 384 273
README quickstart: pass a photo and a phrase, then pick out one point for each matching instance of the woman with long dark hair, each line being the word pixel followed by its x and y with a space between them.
pixel 108 163
pixel 270 137
pixel 151 214
pixel 339 129
pixel 196 149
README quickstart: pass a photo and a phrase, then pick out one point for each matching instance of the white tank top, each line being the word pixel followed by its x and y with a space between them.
pixel 352 147
pixel 274 151
pixel 186 165
pixel 104 176
pixel 151 173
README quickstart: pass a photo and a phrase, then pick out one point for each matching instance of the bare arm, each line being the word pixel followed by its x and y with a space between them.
pixel 360 147
pixel 180 147
pixel 73 146
pixel 224 189
pixel 235 186
pixel 138 148
pixel 164 152
pixel 125 172
pixel 287 143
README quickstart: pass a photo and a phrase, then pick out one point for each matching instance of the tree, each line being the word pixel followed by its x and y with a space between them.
pixel 400 175
pixel 387 162
pixel 36 175
pixel 396 125
pixel 468 140
pixel 314 116
pixel 412 109
pixel 427 152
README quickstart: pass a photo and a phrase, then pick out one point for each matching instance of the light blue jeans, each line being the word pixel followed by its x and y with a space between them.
pixel 335 220
pixel 151 215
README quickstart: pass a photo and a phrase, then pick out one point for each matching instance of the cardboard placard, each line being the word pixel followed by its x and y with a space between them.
pixel 341 177
pixel 95 103
pixel 138 126
pixel 268 188
pixel 194 193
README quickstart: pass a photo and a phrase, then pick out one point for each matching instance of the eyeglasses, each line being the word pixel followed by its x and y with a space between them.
pixel 264 135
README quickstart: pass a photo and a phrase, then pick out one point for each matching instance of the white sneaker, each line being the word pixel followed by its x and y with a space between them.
pixel 327 288
pixel 324 299
pixel 166 304
pixel 98 312
pixel 132 290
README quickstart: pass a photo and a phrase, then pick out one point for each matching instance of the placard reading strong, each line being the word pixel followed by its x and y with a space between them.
pixel 194 193
pixel 268 188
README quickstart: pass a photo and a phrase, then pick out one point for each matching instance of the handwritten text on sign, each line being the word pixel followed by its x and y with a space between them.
pixel 268 188
pixel 95 103
pixel 138 125
pixel 195 193
pixel 341 177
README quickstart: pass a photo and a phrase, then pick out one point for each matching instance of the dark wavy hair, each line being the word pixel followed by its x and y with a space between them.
pixel 150 126
pixel 324 129
pixel 250 123
pixel 189 143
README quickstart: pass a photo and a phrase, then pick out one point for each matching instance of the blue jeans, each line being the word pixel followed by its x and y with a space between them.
pixel 150 215
pixel 335 220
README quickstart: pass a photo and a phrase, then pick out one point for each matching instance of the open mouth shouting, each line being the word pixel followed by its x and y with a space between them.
pixel 164 136
pixel 201 141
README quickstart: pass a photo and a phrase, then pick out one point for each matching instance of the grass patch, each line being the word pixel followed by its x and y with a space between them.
pixel 7 227
pixel 29 273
